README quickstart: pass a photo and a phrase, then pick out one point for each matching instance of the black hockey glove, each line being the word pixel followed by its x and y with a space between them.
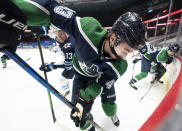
pixel 135 61
pixel 47 67
pixel 82 114
pixel 170 59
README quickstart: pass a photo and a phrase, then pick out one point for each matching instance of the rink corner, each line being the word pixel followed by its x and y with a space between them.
pixel 167 104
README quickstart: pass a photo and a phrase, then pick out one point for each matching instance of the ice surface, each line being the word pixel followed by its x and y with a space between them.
pixel 24 104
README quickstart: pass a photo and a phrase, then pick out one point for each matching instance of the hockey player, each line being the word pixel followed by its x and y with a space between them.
pixel 102 63
pixel 152 62
pixel 100 54
pixel 67 45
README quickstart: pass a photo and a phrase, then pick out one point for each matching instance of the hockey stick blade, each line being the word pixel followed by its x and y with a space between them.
pixel 61 126
pixel 41 80
pixel 27 59
pixel 132 86
pixel 99 128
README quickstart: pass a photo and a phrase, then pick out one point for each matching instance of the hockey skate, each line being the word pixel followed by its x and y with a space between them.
pixel 131 83
pixel 160 81
pixel 4 65
pixel 115 120
pixel 65 90
pixel 153 81
pixel 156 80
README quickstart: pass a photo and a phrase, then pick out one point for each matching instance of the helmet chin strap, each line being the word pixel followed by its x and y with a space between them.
pixel 114 51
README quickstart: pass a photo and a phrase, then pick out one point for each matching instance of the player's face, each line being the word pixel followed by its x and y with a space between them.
pixel 61 36
pixel 170 53
pixel 123 49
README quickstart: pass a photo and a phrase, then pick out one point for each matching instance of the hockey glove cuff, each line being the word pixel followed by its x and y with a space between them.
pixel 68 65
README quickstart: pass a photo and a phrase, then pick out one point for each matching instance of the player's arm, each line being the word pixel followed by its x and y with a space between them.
pixel 162 56
pixel 36 12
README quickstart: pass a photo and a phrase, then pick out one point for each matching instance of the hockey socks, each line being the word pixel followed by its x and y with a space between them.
pixel 110 109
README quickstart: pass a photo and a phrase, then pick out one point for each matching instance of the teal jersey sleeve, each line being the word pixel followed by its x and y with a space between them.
pixel 162 55
pixel 36 14
pixel 120 66
pixel 93 30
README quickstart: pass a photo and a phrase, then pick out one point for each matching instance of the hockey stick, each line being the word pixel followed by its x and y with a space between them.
pixel 27 59
pixel 132 74
pixel 132 77
pixel 45 75
pixel 146 92
pixel 42 81
pixel 133 70
pixel 149 89
pixel 59 66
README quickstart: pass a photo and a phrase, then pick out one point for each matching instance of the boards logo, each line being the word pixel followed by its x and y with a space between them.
pixel 10 21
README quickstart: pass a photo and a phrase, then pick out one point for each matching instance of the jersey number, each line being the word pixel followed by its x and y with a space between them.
pixel 69 56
